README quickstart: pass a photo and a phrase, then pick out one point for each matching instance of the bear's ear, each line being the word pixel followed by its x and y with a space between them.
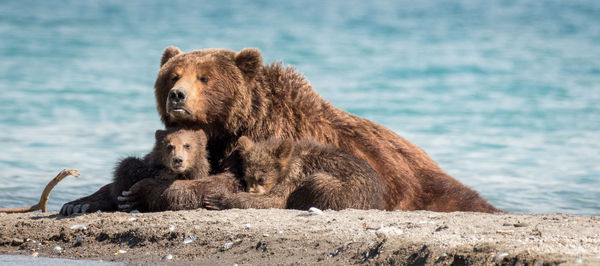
pixel 285 149
pixel 249 60
pixel 160 135
pixel 201 136
pixel 168 54
pixel 245 143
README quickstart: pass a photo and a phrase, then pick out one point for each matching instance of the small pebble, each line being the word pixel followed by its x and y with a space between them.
pixel 280 231
pixel 35 254
pixel 131 219
pixel 578 261
pixel 120 251
pixel 335 253
pixel 57 249
pixel 98 211
pixel 79 227
pixel 248 225
pixel 228 245
pixel 500 256
pixel 189 240
pixel 171 228
pixel 389 232
pixel 167 257
pixel 134 211
pixel 315 211
pixel 519 224
pixel 79 239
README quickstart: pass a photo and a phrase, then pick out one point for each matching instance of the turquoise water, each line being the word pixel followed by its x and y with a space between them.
pixel 504 95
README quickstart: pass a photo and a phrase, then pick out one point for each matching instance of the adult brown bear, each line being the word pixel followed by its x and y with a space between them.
pixel 230 94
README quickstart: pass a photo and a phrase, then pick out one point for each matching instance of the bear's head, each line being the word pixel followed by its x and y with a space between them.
pixel 264 163
pixel 182 152
pixel 206 87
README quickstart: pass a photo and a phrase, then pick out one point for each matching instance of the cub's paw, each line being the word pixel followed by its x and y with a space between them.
pixel 81 206
pixel 214 201
pixel 136 197
pixel 128 201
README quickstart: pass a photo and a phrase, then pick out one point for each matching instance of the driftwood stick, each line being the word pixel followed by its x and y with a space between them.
pixel 45 194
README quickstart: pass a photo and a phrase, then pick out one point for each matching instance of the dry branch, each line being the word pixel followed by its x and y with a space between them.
pixel 45 194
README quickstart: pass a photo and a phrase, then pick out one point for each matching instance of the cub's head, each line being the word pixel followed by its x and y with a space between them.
pixel 206 87
pixel 182 151
pixel 264 163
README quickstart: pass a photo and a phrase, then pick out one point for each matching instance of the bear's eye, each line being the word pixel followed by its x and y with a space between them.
pixel 203 79
pixel 187 146
pixel 170 147
pixel 261 181
pixel 175 78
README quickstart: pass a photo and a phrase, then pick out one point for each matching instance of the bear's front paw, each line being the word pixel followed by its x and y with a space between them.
pixel 215 201
pixel 128 201
pixel 135 197
pixel 75 208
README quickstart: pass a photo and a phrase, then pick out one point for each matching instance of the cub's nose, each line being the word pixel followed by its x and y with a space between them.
pixel 177 95
pixel 177 160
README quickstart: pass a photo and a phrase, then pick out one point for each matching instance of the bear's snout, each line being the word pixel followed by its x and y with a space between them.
pixel 177 95
pixel 177 161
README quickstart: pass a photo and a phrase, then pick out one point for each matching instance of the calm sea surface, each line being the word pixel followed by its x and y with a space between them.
pixel 504 95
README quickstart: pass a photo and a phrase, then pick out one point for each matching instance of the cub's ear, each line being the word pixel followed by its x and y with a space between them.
pixel 249 60
pixel 168 54
pixel 285 149
pixel 201 136
pixel 245 143
pixel 160 135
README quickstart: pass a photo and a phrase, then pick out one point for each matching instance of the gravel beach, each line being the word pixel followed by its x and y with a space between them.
pixel 290 236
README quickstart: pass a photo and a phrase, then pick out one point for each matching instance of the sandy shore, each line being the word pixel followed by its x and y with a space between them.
pixel 289 236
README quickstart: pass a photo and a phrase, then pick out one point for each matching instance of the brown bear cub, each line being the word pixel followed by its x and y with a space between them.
pixel 177 155
pixel 299 175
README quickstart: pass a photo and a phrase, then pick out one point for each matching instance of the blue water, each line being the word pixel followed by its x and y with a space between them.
pixel 504 95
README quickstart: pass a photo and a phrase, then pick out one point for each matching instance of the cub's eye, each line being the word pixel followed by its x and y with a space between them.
pixel 187 146
pixel 203 79
pixel 170 147
pixel 175 78
pixel 261 181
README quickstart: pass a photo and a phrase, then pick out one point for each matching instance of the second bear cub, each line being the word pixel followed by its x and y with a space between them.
pixel 300 175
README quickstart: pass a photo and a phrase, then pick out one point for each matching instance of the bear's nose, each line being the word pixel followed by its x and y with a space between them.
pixel 177 160
pixel 177 95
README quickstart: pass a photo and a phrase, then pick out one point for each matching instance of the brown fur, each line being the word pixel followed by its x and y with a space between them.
pixel 243 97
pixel 300 175
pixel 230 94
